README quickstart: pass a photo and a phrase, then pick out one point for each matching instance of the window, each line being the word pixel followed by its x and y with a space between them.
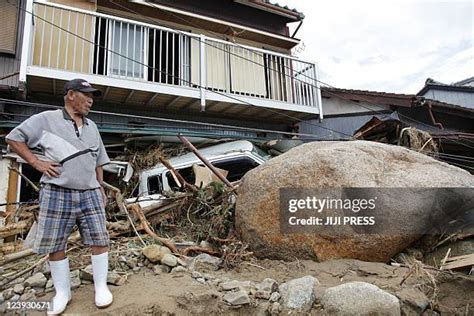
pixel 128 50
pixel 154 185
pixel 8 31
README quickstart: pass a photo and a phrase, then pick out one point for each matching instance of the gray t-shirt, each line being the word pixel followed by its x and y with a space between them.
pixel 56 134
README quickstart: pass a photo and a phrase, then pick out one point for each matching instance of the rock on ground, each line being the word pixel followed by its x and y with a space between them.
pixel 237 298
pixel 155 253
pixel 299 294
pixel 37 280
pixel 359 298
pixel 169 260
pixel 415 301
pixel 321 165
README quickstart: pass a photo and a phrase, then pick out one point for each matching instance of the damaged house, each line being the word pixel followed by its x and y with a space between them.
pixel 203 69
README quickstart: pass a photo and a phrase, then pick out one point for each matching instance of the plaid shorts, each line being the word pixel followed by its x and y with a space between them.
pixel 61 209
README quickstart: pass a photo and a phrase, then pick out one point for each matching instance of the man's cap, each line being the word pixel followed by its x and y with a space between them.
pixel 81 85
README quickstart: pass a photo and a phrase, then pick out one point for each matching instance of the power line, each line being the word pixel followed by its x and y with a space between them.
pixel 222 126
pixel 262 65
pixel 235 98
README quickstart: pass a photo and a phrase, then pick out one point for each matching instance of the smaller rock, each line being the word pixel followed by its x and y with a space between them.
pixel 201 280
pixel 299 294
pixel 49 284
pixel 15 298
pixel 242 285
pixel 196 274
pixel 18 281
pixel 116 279
pixel 359 298
pixel 75 279
pixel 136 253
pixel 146 262
pixel 276 308
pixel 123 259
pixel 132 263
pixel 274 297
pixel 45 268
pixel 155 253
pixel 169 260
pixel 2 298
pixel 205 260
pixel 140 264
pixel 28 297
pixel 18 289
pixel 179 269
pixel 8 294
pixel 157 269
pixel 415 301
pixel 136 269
pixel 37 280
pixel 86 273
pixel 268 285
pixel 237 298
pixel 262 294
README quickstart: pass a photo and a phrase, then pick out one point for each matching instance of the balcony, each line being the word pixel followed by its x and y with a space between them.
pixel 136 63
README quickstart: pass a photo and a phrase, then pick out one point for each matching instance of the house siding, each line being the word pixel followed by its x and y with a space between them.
pixel 9 63
pixel 465 99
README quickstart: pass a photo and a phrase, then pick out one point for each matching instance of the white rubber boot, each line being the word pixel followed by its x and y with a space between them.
pixel 100 267
pixel 62 285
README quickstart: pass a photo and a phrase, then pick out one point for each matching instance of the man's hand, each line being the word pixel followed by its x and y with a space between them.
pixel 104 196
pixel 48 168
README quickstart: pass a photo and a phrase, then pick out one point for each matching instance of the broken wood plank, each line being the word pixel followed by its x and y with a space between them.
pixel 458 262
pixel 168 243
pixel 176 175
pixel 204 160
pixel 15 228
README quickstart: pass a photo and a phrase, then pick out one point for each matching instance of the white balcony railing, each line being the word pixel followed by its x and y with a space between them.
pixel 80 41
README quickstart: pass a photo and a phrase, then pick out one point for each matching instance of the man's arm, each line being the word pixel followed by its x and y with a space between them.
pixel 48 168
pixel 99 172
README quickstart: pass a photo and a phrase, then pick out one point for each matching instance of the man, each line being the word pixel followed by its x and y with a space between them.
pixel 71 187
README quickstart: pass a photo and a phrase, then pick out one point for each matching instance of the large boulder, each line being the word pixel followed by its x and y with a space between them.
pixel 355 164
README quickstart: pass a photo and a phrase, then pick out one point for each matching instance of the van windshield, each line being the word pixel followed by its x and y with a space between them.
pixel 237 168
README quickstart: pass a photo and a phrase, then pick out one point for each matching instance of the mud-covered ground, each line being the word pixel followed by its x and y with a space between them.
pixel 146 292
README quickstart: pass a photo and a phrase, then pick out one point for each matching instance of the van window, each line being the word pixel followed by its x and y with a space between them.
pixel 237 167
pixel 154 185
pixel 186 173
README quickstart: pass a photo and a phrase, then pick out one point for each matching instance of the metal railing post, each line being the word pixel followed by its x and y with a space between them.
pixel 203 71
pixel 27 39
pixel 318 91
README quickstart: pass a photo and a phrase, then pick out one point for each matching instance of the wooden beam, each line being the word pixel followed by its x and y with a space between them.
pixel 153 97
pixel 190 104
pixel 129 96
pixel 12 192
pixel 212 105
pixel 458 262
pixel 106 93
pixel 172 102
pixel 54 86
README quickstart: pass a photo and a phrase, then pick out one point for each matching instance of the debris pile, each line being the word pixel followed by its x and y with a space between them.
pixel 205 234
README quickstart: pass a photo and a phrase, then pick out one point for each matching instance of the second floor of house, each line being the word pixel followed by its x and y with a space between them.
pixel 231 56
